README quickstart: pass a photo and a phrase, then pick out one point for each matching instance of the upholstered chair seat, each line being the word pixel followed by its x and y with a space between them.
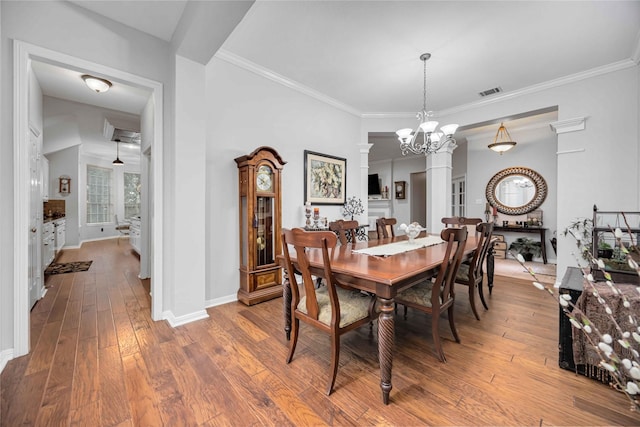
pixel 354 306
pixel 419 294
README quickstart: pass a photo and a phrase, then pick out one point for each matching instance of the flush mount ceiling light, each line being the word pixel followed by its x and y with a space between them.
pixel 117 161
pixel 96 83
pixel 503 141
pixel 432 140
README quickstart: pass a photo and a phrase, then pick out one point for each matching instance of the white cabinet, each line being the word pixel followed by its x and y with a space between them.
pixel 48 244
pixel 60 226
pixel 134 234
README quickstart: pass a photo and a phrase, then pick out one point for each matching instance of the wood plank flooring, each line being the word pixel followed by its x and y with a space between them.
pixel 99 360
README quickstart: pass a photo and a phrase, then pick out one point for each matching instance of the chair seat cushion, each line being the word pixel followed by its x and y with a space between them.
pixel 354 306
pixel 419 294
pixel 463 272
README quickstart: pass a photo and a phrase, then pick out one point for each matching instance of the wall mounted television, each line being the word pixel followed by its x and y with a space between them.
pixel 374 185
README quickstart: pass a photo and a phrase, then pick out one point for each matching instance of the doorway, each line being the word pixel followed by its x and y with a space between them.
pixel 418 191
pixel 24 54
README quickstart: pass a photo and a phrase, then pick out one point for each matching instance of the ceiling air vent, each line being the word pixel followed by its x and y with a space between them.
pixel 490 91
pixel 127 136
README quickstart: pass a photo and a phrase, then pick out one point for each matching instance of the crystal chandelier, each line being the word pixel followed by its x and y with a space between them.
pixel 432 140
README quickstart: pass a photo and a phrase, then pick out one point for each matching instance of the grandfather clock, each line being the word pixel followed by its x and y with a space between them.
pixel 260 225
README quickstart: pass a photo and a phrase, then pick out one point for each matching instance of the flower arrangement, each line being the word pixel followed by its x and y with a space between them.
pixel 619 354
pixel 353 206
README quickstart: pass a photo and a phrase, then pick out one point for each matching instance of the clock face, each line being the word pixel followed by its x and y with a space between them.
pixel 263 178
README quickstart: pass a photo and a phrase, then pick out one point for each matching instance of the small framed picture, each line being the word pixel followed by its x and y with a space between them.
pixel 400 189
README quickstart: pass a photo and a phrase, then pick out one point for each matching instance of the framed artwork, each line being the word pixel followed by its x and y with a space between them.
pixel 325 179
pixel 400 187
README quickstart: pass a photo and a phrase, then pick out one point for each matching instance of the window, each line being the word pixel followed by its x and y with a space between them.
pixel 458 196
pixel 99 206
pixel 131 194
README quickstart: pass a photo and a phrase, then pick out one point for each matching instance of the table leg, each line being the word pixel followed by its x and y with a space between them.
pixel 490 268
pixel 544 245
pixel 286 300
pixel 386 330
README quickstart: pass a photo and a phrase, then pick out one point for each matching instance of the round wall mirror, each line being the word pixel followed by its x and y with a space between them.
pixel 516 191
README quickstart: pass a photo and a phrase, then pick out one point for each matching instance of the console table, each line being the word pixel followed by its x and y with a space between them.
pixel 535 230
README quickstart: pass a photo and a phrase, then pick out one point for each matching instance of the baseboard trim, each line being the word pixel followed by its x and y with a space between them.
pixel 222 300
pixel 175 321
pixel 5 357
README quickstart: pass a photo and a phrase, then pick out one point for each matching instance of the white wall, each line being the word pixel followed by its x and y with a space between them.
pixel 246 111
pixel 66 28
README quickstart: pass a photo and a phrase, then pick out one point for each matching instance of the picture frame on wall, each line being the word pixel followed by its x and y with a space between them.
pixel 400 189
pixel 325 179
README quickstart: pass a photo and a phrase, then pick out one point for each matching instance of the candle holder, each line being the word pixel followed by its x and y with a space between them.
pixel 316 219
pixel 307 214
pixel 495 219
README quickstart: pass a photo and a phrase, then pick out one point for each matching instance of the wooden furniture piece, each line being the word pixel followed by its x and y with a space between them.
pixel 384 227
pixel 383 276
pixel 460 220
pixel 531 230
pixel 435 297
pixel 470 273
pixel 345 230
pixel 331 308
pixel 260 219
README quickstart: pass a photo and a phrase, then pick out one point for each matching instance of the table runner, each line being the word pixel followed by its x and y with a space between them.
pixel 400 247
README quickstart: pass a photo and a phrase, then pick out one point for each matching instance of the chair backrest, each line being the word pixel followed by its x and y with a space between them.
pixel 300 240
pixel 456 239
pixel 346 230
pixel 484 231
pixel 384 227
pixel 460 221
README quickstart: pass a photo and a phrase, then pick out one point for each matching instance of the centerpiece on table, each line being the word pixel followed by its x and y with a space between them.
pixel 412 230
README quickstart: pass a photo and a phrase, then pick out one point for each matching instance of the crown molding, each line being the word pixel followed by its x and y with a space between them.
pixel 245 64
pixel 598 71
pixel 569 125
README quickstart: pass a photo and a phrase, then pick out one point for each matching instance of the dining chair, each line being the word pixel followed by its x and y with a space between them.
pixel 334 308
pixel 123 228
pixel 384 227
pixel 346 230
pixel 434 297
pixel 457 221
pixel 470 273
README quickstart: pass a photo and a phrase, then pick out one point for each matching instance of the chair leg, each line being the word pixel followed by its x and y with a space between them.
pixel 481 292
pixel 452 324
pixel 436 336
pixel 295 327
pixel 335 358
pixel 472 300
pixel 405 312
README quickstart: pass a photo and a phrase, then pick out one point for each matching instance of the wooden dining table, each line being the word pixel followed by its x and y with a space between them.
pixel 383 276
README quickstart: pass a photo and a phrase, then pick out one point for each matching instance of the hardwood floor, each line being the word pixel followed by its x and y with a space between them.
pixel 99 360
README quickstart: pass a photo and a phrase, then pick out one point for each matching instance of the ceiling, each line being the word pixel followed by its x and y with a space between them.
pixel 364 55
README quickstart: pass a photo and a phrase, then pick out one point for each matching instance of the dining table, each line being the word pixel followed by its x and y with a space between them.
pixel 383 275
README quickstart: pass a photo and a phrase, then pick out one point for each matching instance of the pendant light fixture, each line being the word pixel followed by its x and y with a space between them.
pixel 96 83
pixel 117 161
pixel 503 141
pixel 432 140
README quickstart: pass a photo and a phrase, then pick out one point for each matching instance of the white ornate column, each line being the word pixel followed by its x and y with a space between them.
pixel 439 187
pixel 364 179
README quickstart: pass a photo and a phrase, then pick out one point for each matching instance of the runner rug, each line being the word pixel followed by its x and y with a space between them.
pixel 68 267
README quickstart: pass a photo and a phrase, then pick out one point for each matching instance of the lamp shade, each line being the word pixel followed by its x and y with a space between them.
pixel 503 141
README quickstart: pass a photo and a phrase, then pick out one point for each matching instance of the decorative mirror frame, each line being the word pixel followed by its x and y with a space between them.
pixel 536 201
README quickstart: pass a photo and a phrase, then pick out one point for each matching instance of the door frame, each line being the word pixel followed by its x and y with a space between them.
pixel 23 53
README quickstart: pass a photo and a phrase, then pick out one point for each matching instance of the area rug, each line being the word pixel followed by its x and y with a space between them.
pixel 68 267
